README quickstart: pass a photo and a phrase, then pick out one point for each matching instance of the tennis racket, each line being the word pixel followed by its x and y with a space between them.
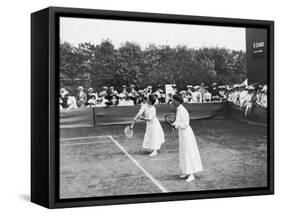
pixel 129 132
pixel 170 119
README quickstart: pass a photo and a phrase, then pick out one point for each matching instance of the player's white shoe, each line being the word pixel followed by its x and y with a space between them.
pixel 154 153
pixel 190 178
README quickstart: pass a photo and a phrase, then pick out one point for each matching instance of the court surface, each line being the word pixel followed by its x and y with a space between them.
pixel 101 161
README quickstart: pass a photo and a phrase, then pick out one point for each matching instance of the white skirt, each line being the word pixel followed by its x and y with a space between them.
pixel 189 156
pixel 154 135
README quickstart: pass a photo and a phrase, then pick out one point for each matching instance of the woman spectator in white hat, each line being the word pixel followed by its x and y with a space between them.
pixel 81 97
pixel 101 101
pixel 184 96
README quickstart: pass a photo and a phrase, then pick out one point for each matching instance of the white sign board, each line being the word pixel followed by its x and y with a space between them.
pixel 169 90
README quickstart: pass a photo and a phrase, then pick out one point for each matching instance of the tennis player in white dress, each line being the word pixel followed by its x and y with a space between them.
pixel 154 135
pixel 189 156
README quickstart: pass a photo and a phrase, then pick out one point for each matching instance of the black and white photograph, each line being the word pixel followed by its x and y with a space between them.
pixel 151 107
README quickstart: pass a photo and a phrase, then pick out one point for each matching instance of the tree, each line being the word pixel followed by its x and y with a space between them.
pixel 103 64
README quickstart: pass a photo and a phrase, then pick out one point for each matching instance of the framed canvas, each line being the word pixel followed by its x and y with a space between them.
pixel 138 107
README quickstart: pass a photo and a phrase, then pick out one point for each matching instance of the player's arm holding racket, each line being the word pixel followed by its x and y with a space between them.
pixel 182 119
pixel 140 113
pixel 138 116
pixel 129 129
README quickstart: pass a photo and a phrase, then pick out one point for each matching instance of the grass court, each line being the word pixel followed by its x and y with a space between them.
pixel 101 161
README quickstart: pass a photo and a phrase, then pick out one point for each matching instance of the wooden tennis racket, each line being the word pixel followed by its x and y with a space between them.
pixel 170 119
pixel 129 132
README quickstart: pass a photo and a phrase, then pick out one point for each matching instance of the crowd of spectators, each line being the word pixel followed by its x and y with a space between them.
pixel 242 95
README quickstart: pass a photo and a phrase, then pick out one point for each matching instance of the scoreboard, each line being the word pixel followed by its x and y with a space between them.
pixel 256 55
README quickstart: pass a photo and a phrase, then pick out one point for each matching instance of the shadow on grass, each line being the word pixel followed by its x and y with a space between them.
pixel 140 152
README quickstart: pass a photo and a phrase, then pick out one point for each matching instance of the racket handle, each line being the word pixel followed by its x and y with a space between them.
pixel 133 123
pixel 173 127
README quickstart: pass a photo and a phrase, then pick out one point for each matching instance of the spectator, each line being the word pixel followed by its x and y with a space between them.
pixel 236 91
pixel 248 102
pixel 71 102
pixel 60 102
pixel 125 92
pixel 101 99
pixel 259 94
pixel 263 102
pixel 159 93
pixel 133 94
pixel 189 93
pixel 184 96
pixel 215 92
pixel 222 93
pixel 122 99
pixel 81 97
pixel 196 96
pixel 207 96
pixel 140 97
pixel 170 98
pixel 63 98
pixel 242 95
pixel 202 89
pixel 103 93
pixel 147 91
pixel 175 89
pixel 91 96
pixel 111 97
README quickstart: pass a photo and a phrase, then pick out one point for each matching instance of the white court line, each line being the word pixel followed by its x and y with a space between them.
pixel 78 138
pixel 85 143
pixel 157 183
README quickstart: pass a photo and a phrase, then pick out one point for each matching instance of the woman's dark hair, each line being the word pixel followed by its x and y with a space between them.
pixel 178 98
pixel 152 99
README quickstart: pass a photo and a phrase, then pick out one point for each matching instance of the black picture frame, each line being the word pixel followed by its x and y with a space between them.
pixel 45 109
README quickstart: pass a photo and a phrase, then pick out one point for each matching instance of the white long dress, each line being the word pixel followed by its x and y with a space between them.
pixel 154 135
pixel 189 156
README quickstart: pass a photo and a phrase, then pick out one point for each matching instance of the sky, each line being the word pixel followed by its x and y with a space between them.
pixel 80 30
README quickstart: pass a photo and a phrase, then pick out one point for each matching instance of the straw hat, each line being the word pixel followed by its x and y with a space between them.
pixel 121 95
pixel 196 87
